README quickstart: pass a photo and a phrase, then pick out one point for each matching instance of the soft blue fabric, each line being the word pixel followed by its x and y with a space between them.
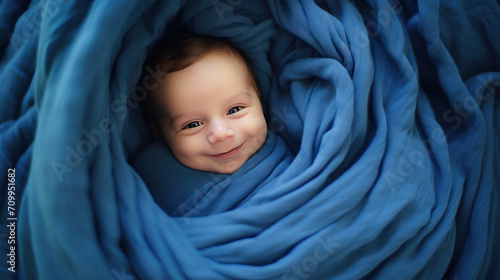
pixel 178 190
pixel 384 162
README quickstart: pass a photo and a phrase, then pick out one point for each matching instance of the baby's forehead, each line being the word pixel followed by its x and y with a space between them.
pixel 236 62
pixel 228 62
pixel 216 73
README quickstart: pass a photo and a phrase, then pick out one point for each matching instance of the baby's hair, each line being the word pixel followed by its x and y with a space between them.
pixel 177 52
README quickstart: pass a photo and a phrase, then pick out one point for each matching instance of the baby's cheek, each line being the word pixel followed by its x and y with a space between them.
pixel 259 131
pixel 262 125
pixel 180 147
pixel 189 145
pixel 188 153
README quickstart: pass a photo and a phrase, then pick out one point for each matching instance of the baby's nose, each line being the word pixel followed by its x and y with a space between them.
pixel 220 131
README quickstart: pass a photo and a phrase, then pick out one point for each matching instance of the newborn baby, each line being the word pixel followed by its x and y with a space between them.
pixel 207 106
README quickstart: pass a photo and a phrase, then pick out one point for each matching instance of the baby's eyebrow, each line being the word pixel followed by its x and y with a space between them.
pixel 238 97
pixel 174 118
pixel 246 93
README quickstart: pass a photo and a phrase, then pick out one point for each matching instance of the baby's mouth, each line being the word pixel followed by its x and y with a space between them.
pixel 229 154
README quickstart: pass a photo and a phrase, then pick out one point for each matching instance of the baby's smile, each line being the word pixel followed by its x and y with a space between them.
pixel 229 154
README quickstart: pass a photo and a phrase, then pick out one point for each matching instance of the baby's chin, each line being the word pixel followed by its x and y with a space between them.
pixel 225 168
pixel 231 167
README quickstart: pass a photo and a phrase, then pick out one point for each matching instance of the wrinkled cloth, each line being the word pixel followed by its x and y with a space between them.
pixel 383 164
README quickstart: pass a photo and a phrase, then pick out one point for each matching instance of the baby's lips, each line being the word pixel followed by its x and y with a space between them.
pixel 229 153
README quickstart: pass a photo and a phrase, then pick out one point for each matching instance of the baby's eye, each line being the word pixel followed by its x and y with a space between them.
pixel 193 125
pixel 234 110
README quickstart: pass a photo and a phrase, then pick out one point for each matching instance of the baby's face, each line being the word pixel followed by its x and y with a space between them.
pixel 212 117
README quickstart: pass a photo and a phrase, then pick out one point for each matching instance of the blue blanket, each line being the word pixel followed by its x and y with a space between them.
pixel 382 160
